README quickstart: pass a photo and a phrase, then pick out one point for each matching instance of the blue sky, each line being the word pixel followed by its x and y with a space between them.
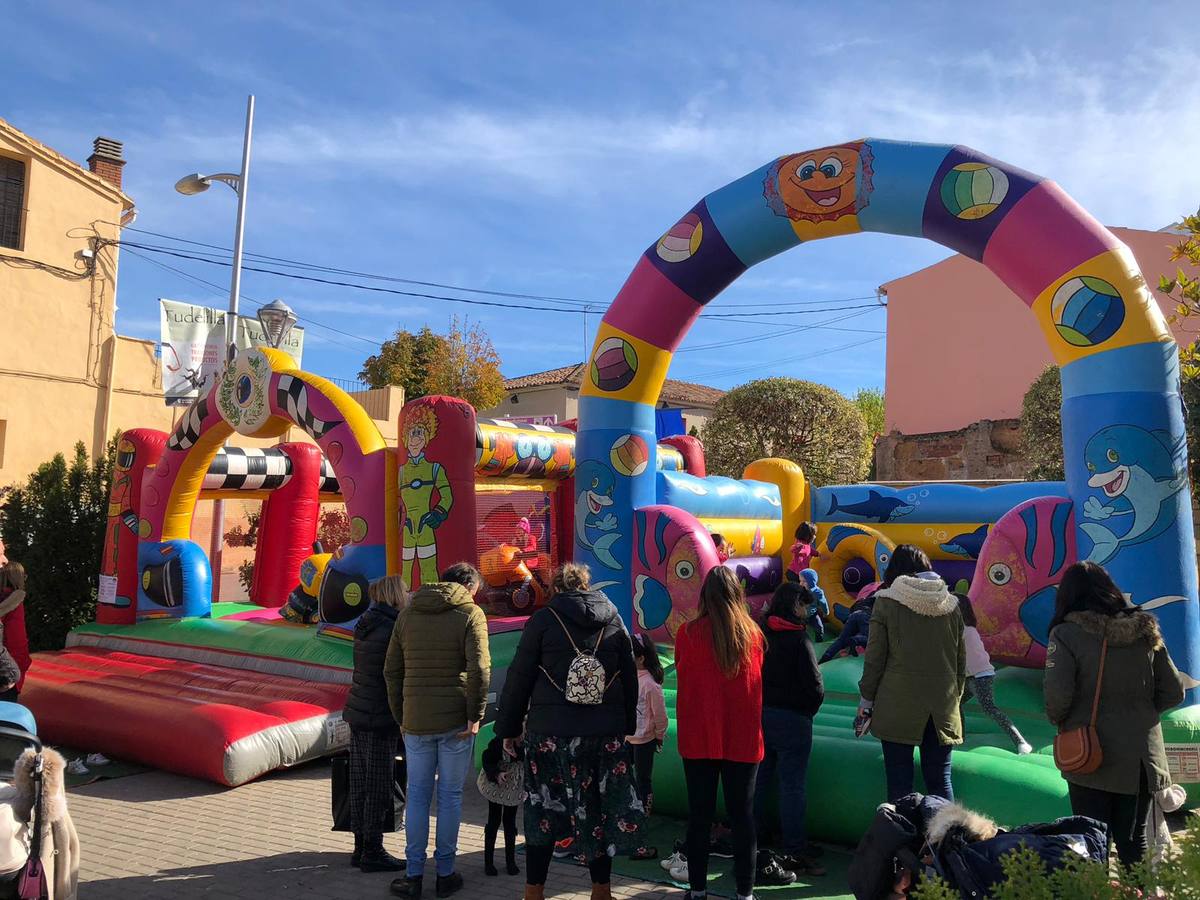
pixel 540 147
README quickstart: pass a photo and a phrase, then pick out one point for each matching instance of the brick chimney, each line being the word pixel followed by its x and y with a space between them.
pixel 107 160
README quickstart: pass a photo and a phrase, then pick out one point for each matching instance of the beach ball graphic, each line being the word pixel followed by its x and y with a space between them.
pixel 1087 311
pixel 629 455
pixel 973 190
pixel 614 364
pixel 682 241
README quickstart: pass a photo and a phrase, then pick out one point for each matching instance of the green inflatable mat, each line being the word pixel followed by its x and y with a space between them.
pixel 247 638
pixel 845 775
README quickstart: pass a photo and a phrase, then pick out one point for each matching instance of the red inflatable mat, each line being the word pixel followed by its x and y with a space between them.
pixel 226 725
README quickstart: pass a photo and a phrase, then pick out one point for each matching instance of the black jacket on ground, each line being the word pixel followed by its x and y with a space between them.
pixel 544 643
pixel 790 677
pixel 367 704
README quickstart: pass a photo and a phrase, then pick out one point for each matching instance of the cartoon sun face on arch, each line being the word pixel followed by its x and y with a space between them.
pixel 818 188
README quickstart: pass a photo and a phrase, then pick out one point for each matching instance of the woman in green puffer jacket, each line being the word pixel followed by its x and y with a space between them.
pixel 914 674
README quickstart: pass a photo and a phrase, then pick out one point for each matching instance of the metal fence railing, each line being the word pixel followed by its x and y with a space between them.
pixel 374 401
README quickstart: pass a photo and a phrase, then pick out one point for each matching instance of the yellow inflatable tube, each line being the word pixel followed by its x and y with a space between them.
pixel 749 537
pixel 838 546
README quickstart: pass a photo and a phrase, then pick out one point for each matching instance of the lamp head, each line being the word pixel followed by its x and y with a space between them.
pixel 277 320
pixel 192 184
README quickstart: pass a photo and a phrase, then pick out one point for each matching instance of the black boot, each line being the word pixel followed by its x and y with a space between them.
pixel 489 852
pixel 356 856
pixel 448 884
pixel 407 887
pixel 510 852
pixel 376 859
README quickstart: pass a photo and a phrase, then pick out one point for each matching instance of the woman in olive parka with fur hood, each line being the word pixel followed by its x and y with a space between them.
pixel 1140 683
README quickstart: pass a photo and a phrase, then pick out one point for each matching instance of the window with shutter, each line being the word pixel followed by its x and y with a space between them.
pixel 12 201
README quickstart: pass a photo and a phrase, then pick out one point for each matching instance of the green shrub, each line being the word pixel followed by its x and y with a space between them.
pixel 810 424
pixel 54 524
pixel 1041 427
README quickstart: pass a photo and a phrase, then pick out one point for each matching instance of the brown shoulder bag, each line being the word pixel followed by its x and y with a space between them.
pixel 1077 752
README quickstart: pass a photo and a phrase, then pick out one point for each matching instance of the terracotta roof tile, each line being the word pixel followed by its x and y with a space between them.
pixel 674 391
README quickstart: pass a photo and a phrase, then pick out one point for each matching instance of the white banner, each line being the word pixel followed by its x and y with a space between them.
pixel 193 347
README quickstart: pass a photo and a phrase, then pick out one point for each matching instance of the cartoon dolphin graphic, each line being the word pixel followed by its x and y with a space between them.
pixel 967 544
pixel 1138 473
pixel 595 497
pixel 875 508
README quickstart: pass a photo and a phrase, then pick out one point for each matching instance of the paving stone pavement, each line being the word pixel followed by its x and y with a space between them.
pixel 164 836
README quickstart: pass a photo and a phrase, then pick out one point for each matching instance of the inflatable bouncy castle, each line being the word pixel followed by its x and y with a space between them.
pixel 1125 502
pixel 229 691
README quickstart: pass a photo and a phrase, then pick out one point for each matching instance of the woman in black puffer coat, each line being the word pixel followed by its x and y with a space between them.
pixel 374 733
pixel 578 769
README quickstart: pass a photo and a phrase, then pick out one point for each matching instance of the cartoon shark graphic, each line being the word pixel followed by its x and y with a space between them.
pixel 1138 472
pixel 1016 579
pixel 876 508
pixel 673 554
pixel 967 544
pixel 593 513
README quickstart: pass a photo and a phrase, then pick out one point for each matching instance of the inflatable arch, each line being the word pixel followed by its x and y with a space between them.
pixel 1122 415
pixel 262 395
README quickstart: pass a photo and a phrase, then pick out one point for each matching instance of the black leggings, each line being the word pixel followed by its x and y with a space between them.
pixel 497 814
pixel 643 766
pixel 537 865
pixel 1124 814
pixel 737 782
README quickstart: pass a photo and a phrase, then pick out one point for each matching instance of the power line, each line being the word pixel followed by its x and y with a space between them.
pixel 292 263
pixel 776 334
pixel 794 357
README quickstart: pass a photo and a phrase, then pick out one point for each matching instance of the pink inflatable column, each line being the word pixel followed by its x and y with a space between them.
pixel 288 528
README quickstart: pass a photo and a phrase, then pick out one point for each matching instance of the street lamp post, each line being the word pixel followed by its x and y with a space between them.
pixel 240 183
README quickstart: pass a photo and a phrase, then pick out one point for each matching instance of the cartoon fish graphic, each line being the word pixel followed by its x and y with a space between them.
pixel 1138 472
pixel 1016 578
pixel 968 544
pixel 593 513
pixel 672 556
pixel 876 508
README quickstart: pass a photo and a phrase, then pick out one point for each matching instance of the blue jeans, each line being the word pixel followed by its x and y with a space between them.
pixel 449 757
pixel 787 736
pixel 935 766
pixel 854 634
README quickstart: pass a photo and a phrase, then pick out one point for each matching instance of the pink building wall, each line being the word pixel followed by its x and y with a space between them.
pixel 961 347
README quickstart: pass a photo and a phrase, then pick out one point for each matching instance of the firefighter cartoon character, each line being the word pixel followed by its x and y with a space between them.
pixel 425 493
pixel 121 517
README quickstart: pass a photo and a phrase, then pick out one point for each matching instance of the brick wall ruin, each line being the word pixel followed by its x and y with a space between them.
pixel 981 452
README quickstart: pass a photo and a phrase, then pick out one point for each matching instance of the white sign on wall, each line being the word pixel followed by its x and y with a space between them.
pixel 193 347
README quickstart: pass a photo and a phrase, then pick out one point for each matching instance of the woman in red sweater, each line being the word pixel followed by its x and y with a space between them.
pixel 718 663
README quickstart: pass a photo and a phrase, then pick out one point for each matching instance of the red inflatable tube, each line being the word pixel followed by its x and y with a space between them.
pixel 225 725
pixel 137 449
pixel 692 452
pixel 288 528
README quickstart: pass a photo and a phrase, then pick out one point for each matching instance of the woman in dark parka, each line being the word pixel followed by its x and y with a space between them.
pixel 1140 683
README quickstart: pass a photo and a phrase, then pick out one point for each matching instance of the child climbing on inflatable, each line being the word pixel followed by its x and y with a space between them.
pixel 853 639
pixel 502 783
pixel 981 674
pixel 804 550
pixel 819 608
pixel 651 725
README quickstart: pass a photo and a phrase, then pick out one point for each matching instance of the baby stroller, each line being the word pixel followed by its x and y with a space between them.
pixel 39 850
pixel 919 836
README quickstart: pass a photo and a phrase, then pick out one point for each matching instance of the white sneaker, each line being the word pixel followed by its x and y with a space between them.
pixel 675 859
pixel 97 759
pixel 679 873
pixel 76 767
pixel 1024 749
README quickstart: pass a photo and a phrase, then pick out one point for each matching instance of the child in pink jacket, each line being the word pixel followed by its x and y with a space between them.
pixel 651 725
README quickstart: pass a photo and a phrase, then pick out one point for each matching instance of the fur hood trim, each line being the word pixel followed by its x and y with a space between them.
pixel 54 786
pixel 12 601
pixel 926 596
pixel 974 827
pixel 1121 630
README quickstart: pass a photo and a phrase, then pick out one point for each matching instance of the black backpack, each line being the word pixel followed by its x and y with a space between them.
pixel 891 842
